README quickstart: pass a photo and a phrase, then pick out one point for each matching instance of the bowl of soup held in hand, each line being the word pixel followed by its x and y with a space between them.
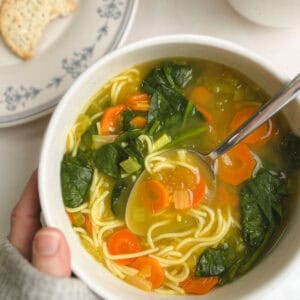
pixel 144 216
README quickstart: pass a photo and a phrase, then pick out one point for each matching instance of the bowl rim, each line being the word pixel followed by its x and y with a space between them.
pixel 203 40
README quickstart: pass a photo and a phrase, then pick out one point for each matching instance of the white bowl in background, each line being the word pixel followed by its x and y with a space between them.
pixel 276 270
pixel 273 13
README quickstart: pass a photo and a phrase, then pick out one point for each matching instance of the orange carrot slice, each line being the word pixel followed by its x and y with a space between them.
pixel 199 192
pixel 123 241
pixel 198 285
pixel 236 165
pixel 207 115
pixel 139 102
pixel 111 120
pixel 155 195
pixel 138 122
pixel 150 269
pixel 88 225
pixel 261 135
pixel 201 96
pixel 77 218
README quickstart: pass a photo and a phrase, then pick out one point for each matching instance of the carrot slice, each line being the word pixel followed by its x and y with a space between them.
pixel 123 241
pixel 207 115
pixel 71 217
pixel 138 122
pixel 111 120
pixel 198 285
pixel 139 102
pixel 199 192
pixel 88 225
pixel 150 269
pixel 201 95
pixel 77 218
pixel 261 135
pixel 236 165
pixel 155 195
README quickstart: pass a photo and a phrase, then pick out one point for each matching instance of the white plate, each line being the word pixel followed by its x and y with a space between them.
pixel 69 45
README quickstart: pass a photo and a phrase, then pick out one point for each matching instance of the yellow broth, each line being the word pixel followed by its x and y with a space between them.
pixel 228 92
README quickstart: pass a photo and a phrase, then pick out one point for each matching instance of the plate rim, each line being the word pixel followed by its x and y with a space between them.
pixel 44 109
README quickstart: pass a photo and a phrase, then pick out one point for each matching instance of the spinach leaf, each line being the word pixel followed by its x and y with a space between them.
pixel 108 158
pixel 253 255
pixel 170 74
pixel 136 149
pixel 119 198
pixel 290 147
pixel 268 189
pixel 178 75
pixel 132 134
pixel 128 115
pixel 160 109
pixel 253 222
pixel 163 84
pixel 212 262
pixel 76 178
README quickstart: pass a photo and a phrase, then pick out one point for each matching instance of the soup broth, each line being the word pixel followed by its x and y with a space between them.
pixel 144 204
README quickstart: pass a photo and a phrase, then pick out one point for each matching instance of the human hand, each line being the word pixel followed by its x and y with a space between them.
pixel 46 248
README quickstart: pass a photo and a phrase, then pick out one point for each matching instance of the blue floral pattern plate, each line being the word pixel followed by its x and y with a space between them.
pixel 31 89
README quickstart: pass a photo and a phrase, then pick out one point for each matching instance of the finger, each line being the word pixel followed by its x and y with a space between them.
pixel 25 218
pixel 50 253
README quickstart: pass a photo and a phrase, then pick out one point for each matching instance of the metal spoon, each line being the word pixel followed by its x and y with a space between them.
pixel 270 108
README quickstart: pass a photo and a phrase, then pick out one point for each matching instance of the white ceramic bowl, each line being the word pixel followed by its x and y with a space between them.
pixel 273 13
pixel 274 273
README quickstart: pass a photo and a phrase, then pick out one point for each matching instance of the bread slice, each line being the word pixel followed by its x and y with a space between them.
pixel 22 22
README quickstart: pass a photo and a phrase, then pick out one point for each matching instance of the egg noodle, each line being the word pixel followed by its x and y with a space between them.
pixel 110 91
pixel 172 250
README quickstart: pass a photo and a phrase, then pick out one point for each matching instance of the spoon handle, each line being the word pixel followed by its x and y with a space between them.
pixel 269 109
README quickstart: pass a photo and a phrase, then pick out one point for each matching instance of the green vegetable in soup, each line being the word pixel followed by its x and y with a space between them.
pixel 178 75
pixel 119 198
pixel 173 75
pixel 290 147
pixel 212 262
pixel 108 159
pixel 253 221
pixel 135 149
pixel 268 190
pixel 163 83
pixel 261 210
pixel 87 137
pixel 254 255
pixel 76 178
pixel 130 165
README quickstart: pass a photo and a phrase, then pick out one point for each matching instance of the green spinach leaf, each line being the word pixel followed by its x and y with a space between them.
pixel 212 262
pixel 119 198
pixel 86 138
pixel 108 158
pixel 290 147
pixel 268 190
pixel 253 221
pixel 163 84
pixel 178 75
pixel 76 178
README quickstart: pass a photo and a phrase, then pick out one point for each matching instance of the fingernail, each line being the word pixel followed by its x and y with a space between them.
pixel 46 243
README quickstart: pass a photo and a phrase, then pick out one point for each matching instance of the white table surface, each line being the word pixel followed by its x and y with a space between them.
pixel 20 146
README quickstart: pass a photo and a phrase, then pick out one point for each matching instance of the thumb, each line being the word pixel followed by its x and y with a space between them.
pixel 50 253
